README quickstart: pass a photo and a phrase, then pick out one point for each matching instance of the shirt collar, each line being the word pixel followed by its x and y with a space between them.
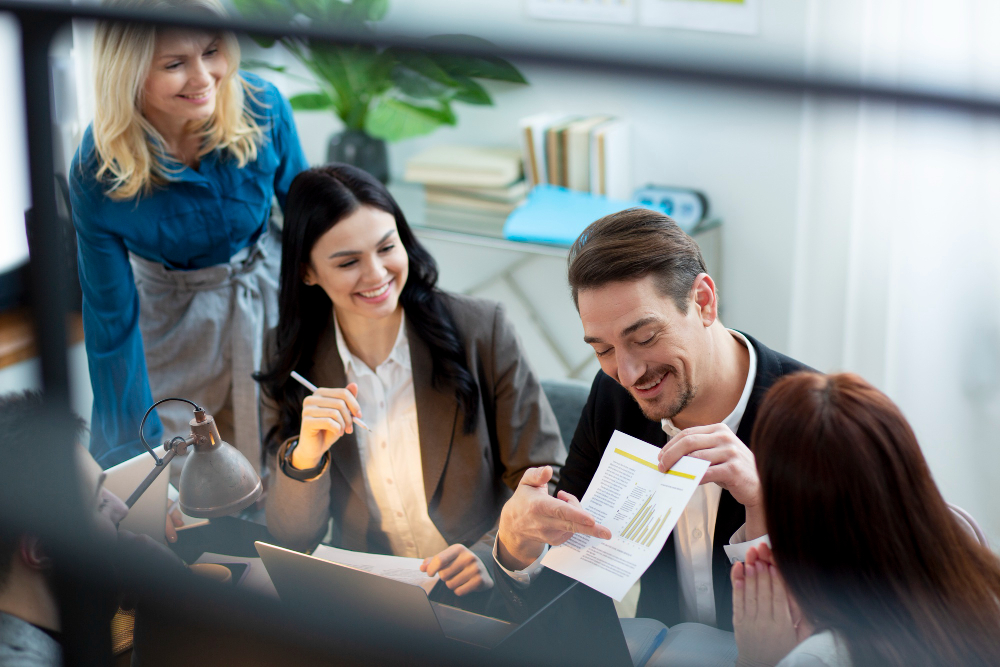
pixel 736 416
pixel 400 350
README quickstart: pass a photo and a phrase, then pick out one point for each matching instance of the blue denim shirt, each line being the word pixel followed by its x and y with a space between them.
pixel 201 218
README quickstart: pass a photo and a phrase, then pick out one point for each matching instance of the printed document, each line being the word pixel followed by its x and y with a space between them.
pixel 398 568
pixel 639 505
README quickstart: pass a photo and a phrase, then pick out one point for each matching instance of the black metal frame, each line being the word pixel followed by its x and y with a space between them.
pixel 51 489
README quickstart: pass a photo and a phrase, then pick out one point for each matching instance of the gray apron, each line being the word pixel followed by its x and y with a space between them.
pixel 203 331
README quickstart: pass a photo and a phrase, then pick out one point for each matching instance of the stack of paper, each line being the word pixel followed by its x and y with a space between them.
pixel 469 189
pixel 398 568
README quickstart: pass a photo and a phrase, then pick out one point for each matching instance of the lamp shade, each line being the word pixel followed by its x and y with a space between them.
pixel 217 479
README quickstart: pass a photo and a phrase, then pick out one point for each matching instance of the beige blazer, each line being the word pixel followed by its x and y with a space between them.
pixel 467 476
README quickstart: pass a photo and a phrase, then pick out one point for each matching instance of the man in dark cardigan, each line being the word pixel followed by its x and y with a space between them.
pixel 673 376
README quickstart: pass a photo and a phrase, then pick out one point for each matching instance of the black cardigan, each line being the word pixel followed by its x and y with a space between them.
pixel 609 408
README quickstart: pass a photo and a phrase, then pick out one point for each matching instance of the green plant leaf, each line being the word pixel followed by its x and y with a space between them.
pixel 414 84
pixel 262 41
pixel 393 119
pixel 311 102
pixel 472 93
pixel 369 10
pixel 480 67
pixel 322 11
pixel 271 10
pixel 252 63
pixel 423 63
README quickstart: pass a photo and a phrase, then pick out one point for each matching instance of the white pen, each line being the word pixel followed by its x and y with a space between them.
pixel 313 388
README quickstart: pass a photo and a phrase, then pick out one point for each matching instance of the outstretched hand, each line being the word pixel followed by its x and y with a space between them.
pixel 532 518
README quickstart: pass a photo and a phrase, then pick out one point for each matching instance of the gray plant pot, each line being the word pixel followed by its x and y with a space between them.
pixel 361 150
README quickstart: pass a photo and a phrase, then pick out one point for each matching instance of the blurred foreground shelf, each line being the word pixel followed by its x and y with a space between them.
pixel 17 336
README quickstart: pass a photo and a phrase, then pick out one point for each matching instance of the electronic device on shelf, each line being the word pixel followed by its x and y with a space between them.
pixel 686 206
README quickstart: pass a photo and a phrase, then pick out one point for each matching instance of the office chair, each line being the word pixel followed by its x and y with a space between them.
pixel 567 398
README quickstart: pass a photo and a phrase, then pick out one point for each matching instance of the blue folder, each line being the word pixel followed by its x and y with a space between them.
pixel 556 215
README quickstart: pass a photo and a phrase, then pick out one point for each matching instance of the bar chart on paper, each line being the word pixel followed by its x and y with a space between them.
pixel 638 504
pixel 645 525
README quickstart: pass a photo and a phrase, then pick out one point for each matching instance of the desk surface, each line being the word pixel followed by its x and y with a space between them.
pixel 17 336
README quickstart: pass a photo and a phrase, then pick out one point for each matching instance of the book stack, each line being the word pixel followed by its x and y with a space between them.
pixel 586 153
pixel 469 189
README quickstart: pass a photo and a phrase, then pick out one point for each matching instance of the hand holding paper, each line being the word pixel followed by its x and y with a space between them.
pixel 639 504
pixel 733 467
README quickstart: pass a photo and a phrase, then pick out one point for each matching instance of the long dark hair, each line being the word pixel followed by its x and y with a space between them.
pixel 861 534
pixel 317 200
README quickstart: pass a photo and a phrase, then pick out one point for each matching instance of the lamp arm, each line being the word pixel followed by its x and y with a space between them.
pixel 142 437
pixel 161 465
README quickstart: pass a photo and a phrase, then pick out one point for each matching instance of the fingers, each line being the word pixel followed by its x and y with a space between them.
pixel 750 592
pixel 353 388
pixel 563 516
pixel 739 584
pixel 751 556
pixel 443 559
pixel 467 574
pixel 536 477
pixel 686 443
pixel 559 509
pixel 460 570
pixel 477 584
pixel 334 425
pixel 569 498
pixel 322 407
pixel 765 606
pixel 765 553
pixel 342 396
pixel 779 596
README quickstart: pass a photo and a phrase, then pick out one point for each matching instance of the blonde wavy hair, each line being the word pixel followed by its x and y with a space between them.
pixel 130 152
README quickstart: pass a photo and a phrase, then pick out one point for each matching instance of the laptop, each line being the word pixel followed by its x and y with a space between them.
pixel 578 626
pixel 149 514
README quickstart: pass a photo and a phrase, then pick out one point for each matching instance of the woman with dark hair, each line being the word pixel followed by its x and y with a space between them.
pixel 869 566
pixel 455 413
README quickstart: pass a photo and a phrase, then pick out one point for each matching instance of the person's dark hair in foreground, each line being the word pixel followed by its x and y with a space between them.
pixel 865 543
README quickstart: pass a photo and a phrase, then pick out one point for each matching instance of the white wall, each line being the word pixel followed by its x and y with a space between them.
pixel 740 147
pixel 13 156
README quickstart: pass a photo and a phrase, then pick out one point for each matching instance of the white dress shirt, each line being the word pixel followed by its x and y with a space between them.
pixel 695 530
pixel 390 453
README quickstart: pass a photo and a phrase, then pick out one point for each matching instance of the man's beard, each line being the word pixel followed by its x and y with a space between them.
pixel 655 412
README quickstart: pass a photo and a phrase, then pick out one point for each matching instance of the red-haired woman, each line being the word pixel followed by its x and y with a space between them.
pixel 868 565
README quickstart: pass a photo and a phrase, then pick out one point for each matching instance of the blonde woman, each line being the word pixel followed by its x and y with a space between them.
pixel 172 188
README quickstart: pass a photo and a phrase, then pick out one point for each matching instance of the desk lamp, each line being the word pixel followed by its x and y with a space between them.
pixel 216 480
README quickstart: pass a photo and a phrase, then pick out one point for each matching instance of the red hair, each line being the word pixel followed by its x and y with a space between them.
pixel 860 532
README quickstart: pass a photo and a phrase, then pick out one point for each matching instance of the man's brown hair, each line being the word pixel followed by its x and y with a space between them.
pixel 631 245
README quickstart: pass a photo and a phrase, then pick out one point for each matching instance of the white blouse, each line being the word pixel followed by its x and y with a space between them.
pixel 390 453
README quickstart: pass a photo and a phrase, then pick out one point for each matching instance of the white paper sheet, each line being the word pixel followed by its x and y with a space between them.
pixel 639 505
pixel 398 568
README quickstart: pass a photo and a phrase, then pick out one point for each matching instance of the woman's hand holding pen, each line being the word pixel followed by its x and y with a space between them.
pixel 326 415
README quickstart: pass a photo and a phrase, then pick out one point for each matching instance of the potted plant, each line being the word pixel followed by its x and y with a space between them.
pixel 381 94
